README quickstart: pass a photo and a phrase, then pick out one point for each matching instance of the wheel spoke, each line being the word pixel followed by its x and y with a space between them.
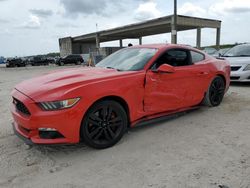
pixel 117 119
pixel 112 134
pixel 104 112
pixel 107 136
pixel 93 122
pixel 94 132
pixel 98 135
pixel 95 117
pixel 213 87
pixel 110 110
pixel 221 91
pixel 115 124
pixel 213 95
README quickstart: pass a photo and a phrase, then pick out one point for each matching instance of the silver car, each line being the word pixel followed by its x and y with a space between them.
pixel 239 59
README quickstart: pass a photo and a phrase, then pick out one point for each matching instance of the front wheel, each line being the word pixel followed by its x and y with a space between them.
pixel 215 92
pixel 104 124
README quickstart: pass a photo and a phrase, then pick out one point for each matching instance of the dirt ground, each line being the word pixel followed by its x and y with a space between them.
pixel 209 147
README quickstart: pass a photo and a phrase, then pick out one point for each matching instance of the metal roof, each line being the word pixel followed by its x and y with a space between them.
pixel 146 28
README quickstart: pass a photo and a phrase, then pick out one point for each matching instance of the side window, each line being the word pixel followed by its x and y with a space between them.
pixel 174 57
pixel 196 56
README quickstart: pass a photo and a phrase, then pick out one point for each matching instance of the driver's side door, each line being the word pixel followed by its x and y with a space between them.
pixel 172 91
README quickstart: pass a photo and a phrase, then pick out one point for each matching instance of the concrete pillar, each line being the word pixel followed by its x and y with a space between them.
pixel 173 31
pixel 140 41
pixel 121 45
pixel 218 31
pixel 97 41
pixel 198 38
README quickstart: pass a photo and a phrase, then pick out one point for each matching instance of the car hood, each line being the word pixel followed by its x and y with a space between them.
pixel 238 60
pixel 57 84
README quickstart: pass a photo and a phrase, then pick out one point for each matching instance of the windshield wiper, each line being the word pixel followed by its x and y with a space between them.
pixel 235 56
pixel 243 55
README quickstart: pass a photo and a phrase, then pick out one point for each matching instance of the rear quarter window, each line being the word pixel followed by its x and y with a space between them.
pixel 196 56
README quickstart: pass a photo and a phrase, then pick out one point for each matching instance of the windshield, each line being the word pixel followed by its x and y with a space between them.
pixel 210 51
pixel 238 51
pixel 128 59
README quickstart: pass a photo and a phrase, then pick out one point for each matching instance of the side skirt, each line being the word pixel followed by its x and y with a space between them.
pixel 162 116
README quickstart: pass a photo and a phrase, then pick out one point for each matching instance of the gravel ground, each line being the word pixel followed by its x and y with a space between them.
pixel 209 147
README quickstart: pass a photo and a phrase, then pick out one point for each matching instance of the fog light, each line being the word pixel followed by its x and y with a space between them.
pixel 49 133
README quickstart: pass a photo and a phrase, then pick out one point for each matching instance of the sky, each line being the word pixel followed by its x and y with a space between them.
pixel 30 27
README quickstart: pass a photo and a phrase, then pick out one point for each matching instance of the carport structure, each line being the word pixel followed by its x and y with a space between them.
pixel 138 30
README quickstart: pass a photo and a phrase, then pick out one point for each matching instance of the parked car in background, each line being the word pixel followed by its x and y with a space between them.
pixel 15 62
pixel 2 60
pixel 132 85
pixel 51 60
pixel 239 59
pixel 39 60
pixel 70 59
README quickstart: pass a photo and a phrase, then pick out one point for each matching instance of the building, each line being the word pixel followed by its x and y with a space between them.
pixel 89 43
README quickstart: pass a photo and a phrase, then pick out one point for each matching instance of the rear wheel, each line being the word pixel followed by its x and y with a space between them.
pixel 104 124
pixel 215 92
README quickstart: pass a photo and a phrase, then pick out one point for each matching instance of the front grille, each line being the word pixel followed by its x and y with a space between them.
pixel 234 77
pixel 235 68
pixel 21 107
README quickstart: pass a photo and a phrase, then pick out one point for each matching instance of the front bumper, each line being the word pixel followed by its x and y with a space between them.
pixel 240 76
pixel 66 122
pixel 20 135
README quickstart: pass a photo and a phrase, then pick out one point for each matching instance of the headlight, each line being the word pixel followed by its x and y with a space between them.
pixel 247 68
pixel 58 105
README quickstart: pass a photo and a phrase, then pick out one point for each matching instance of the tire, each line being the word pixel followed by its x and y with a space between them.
pixel 215 93
pixel 78 63
pixel 104 124
pixel 61 63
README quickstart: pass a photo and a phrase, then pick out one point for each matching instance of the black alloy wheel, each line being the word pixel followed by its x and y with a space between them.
pixel 215 93
pixel 104 124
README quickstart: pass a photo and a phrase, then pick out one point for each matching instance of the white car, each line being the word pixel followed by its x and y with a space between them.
pixel 239 59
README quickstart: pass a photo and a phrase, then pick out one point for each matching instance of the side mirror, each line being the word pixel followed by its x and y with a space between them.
pixel 165 68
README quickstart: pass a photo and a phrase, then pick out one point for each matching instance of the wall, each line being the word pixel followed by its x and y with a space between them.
pixel 83 48
pixel 65 45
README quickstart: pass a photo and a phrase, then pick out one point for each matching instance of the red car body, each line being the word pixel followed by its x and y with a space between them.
pixel 142 93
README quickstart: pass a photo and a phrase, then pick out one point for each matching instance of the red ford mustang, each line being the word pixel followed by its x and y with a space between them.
pixel 132 85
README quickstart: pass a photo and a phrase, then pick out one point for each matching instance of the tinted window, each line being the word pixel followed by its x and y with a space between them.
pixel 196 57
pixel 176 57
